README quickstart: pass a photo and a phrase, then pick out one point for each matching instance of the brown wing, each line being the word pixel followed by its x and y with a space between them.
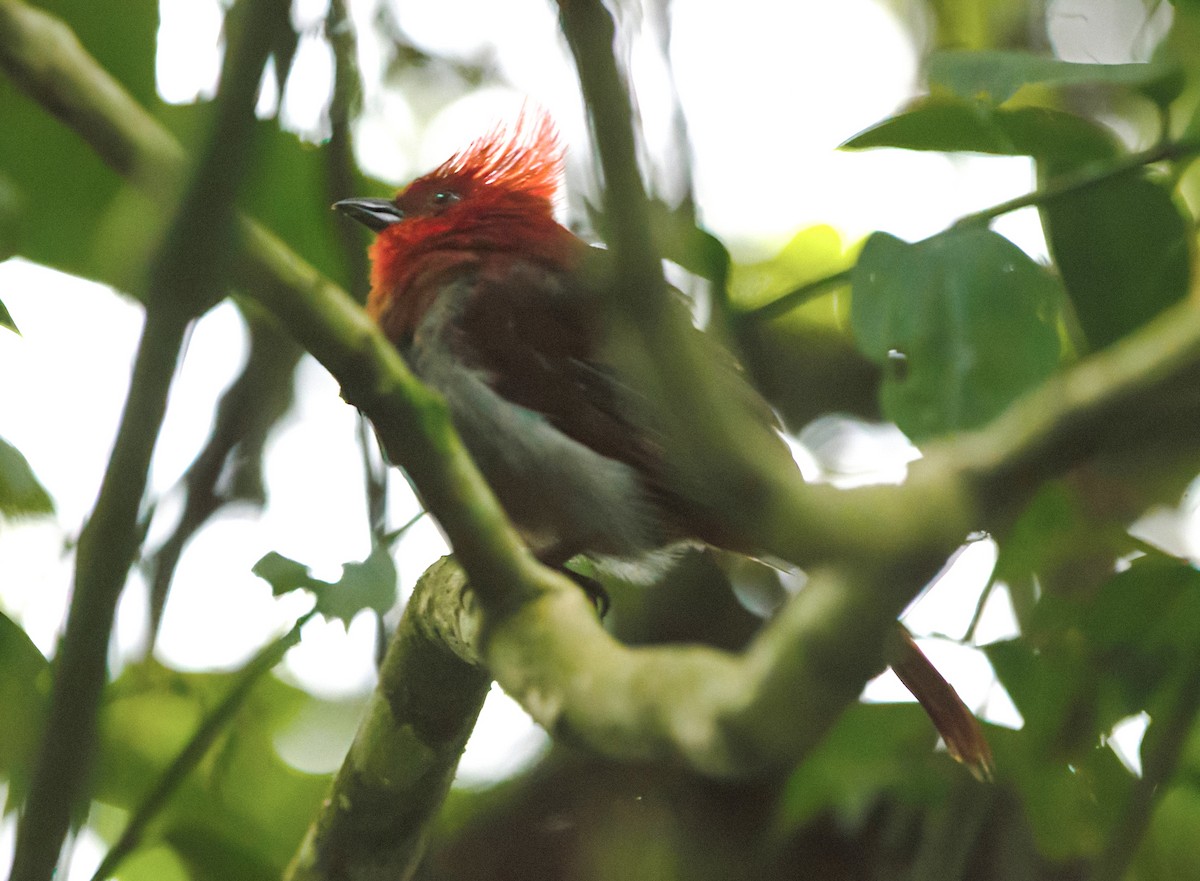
pixel 539 335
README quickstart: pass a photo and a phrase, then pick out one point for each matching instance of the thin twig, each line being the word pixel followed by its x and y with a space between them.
pixel 794 298
pixel 1083 180
pixel 1055 189
pixel 189 757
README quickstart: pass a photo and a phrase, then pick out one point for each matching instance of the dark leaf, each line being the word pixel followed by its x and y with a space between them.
pixel 962 323
pixel 24 684
pixel 997 75
pixel 6 319
pixel 873 749
pixel 951 124
pixel 1124 252
pixel 1150 612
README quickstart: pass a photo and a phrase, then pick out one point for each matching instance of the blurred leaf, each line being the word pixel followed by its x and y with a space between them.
pixel 121 34
pixel 1123 249
pixel 873 749
pixel 20 493
pixel 1070 807
pixel 681 241
pixel 1069 537
pixel 285 575
pixel 997 75
pixel 963 323
pixel 951 124
pixel 812 254
pixel 153 864
pixel 974 24
pixel 1143 627
pixel 370 584
pixel 289 194
pixel 1171 849
pixel 802 358
pixel 10 228
pixel 247 806
pixel 1043 685
pixel 62 187
pixel 24 689
pixel 6 320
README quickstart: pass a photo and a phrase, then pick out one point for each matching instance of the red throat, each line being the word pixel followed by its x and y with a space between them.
pixel 495 197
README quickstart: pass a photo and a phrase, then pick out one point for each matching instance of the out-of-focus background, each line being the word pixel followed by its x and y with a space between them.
pixel 741 109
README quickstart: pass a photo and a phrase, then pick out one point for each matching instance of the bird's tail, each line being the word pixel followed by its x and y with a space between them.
pixel 964 737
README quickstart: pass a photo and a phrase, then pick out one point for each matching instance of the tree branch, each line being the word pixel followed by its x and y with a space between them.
pixel 213 723
pixel 403 758
pixel 183 277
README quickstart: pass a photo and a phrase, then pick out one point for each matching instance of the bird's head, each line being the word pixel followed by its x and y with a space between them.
pixel 497 195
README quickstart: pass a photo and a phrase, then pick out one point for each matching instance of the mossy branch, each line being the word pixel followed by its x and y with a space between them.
pixel 403 759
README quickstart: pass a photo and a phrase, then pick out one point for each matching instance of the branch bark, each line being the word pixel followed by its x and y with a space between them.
pixel 400 766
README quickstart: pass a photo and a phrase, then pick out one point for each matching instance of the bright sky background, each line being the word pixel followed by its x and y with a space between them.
pixel 766 166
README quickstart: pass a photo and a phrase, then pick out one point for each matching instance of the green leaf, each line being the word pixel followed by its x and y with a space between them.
pixel 20 493
pixel 873 749
pixel 951 124
pixel 1041 685
pixel 242 812
pixel 1144 624
pixel 6 320
pixel 1123 249
pixel 680 240
pixel 1070 805
pixel 10 230
pixel 802 357
pixel 963 323
pixel 813 253
pixel 370 584
pixel 1170 850
pixel 285 575
pixel 998 75
pixel 24 686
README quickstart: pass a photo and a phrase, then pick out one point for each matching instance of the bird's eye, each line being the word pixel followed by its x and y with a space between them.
pixel 443 198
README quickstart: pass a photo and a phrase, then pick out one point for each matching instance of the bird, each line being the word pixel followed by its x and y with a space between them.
pixel 502 310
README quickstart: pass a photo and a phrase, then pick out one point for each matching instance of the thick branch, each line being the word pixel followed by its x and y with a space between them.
pixel 44 58
pixel 404 755
pixel 1137 392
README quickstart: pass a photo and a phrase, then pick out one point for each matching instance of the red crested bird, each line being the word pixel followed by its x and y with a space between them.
pixel 502 310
